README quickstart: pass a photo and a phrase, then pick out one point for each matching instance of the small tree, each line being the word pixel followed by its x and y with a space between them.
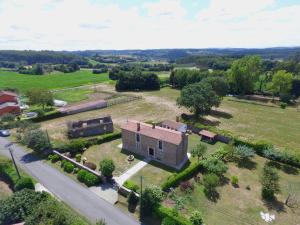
pixel 199 151
pixel 40 97
pixel 270 182
pixel 214 165
pixel 151 199
pixel 107 167
pixel 132 198
pixel 196 218
pixel 36 140
pixel 210 182
pixel 235 181
pixel 24 182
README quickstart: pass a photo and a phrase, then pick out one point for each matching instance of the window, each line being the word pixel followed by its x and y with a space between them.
pixel 137 137
pixel 160 145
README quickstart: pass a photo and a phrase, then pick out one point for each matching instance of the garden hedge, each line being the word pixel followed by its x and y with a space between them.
pixel 164 212
pixel 175 179
pixel 88 178
pixel 131 185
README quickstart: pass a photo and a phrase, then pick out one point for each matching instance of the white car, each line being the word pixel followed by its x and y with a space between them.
pixel 4 133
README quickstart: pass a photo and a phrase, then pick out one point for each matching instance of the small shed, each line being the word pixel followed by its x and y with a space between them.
pixel 207 136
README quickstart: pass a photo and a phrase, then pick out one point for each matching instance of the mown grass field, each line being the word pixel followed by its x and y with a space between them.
pixel 258 122
pixel 57 80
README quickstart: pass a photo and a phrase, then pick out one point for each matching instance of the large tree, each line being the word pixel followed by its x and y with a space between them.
pixel 244 73
pixel 199 98
pixel 282 82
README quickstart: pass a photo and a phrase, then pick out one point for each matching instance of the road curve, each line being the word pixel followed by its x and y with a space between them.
pixel 75 195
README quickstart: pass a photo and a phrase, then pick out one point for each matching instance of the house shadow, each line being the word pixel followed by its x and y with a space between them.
pixel 220 114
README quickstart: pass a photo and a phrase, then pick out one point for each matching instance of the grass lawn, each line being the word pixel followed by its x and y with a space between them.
pixel 5 190
pixel 58 80
pixel 110 150
pixel 72 96
pixel 153 174
pixel 242 206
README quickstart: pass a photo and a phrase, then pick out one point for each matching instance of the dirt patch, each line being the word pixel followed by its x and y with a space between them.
pixel 5 190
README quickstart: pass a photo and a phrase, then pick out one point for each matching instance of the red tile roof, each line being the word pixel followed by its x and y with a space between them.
pixel 207 133
pixel 8 93
pixel 159 133
pixel 172 124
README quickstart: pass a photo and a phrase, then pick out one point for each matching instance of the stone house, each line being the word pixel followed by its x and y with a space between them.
pixel 174 125
pixel 85 128
pixel 161 144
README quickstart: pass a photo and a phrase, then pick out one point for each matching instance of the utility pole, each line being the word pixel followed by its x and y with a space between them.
pixel 13 159
pixel 141 196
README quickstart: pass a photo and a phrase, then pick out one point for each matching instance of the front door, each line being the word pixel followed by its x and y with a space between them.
pixel 151 152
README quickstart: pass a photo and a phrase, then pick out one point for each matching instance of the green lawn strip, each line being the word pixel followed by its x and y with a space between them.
pixel 25 82
pixel 72 96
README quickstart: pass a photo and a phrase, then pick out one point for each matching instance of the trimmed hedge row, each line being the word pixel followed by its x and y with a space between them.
pixel 261 148
pixel 267 150
pixel 175 179
pixel 48 116
pixel 131 185
pixel 88 178
pixel 164 212
pixel 77 145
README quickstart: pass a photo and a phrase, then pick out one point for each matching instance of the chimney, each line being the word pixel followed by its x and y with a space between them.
pixel 177 119
pixel 138 126
pixel 153 125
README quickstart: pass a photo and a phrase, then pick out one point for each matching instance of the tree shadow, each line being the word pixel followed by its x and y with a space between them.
pixel 220 114
pixel 275 205
pixel 224 181
pixel 212 195
pixel 284 167
pixel 29 158
pixel 208 122
pixel 247 163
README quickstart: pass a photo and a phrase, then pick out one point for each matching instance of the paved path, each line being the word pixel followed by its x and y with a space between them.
pixel 133 170
pixel 77 196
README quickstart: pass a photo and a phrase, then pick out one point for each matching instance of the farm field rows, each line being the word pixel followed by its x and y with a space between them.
pixel 57 80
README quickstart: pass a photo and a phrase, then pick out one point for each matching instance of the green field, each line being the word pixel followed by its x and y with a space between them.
pixel 24 82
pixel 252 121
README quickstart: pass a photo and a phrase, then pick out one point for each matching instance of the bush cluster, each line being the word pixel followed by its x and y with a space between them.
pixel 131 185
pixel 88 178
pixel 54 158
pixel 175 179
pixel 24 182
pixel 164 212
pixel 68 167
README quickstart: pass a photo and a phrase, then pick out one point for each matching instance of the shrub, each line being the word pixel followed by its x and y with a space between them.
pixel 234 180
pixel 164 212
pixel 270 182
pixel 24 182
pixel 169 221
pixel 107 167
pixel 91 180
pixel 131 185
pixel 87 178
pixel 36 140
pixel 68 167
pixel 81 175
pixel 90 165
pixel 283 105
pixel 186 186
pixel 196 218
pixel 55 158
pixel 76 170
pixel 78 157
pixel 175 179
pixel 215 166
pixel 76 146
pixel 243 152
pixel 132 198
pixel 63 163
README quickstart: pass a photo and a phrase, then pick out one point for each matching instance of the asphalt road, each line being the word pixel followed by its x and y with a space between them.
pixel 75 195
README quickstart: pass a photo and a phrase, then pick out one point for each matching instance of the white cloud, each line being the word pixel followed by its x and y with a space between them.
pixel 72 25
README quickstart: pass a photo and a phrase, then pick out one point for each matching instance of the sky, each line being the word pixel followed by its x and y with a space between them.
pixel 151 24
